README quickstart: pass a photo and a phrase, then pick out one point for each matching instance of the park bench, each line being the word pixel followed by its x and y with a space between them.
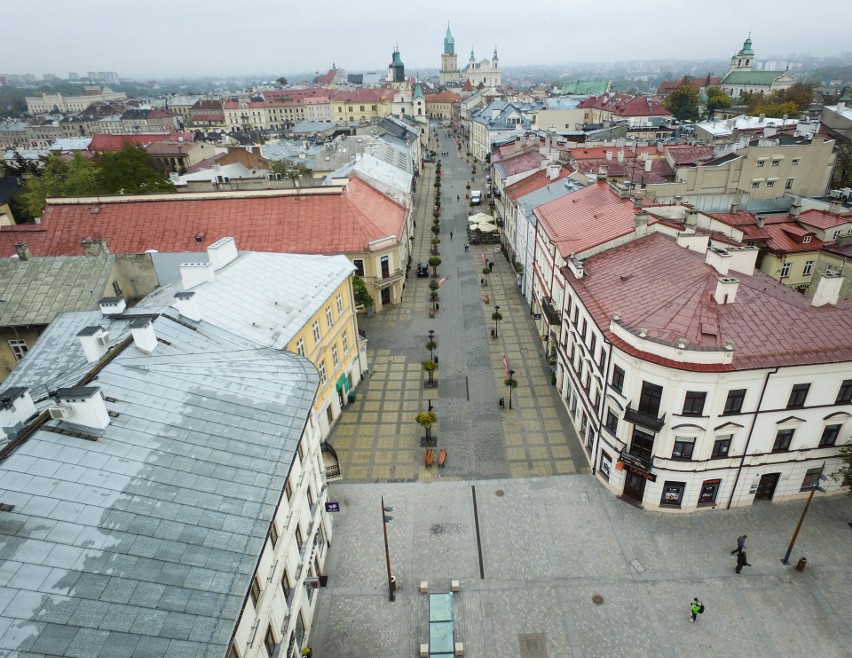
pixel 442 458
pixel 429 457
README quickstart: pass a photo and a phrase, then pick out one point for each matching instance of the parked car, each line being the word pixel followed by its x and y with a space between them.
pixel 422 269
pixel 475 197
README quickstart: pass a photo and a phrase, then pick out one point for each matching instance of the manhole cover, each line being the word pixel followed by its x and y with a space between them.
pixel 597 599
pixel 498 493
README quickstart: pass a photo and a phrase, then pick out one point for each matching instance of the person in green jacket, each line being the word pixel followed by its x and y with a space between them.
pixel 695 609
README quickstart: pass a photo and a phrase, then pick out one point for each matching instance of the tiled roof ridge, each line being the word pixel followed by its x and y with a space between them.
pixel 353 201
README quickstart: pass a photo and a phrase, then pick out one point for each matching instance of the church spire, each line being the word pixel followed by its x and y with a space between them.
pixel 449 42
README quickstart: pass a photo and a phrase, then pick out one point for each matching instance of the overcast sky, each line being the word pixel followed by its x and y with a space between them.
pixel 176 38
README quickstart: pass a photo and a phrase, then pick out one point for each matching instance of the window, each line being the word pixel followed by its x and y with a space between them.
pixel 269 641
pixel 808 268
pixel 693 403
pixel 794 162
pixel 273 534
pixel 642 444
pixel 345 343
pixel 789 184
pixel 734 402
pixel 299 539
pixel 761 163
pixel 611 421
pixel 649 400
pixel 782 440
pixel 334 356
pixel 593 345
pixel 316 331
pixel 322 373
pixel 339 304
pixel 672 493
pixel 806 239
pixel 770 183
pixel 829 436
pixel 755 183
pixel 617 378
pixel 785 270
pixel 359 266
pixel 310 497
pixel 775 163
pixel 288 490
pixel 683 447
pixel 301 449
pixel 255 590
pixel 300 347
pixel 285 583
pixel 844 395
pixel 583 329
pixel 709 489
pixel 722 446
pixel 328 317
pixel 797 396
pixel 19 348
pixel 811 479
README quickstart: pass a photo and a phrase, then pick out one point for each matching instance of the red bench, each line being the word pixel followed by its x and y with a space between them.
pixel 442 457
pixel 429 456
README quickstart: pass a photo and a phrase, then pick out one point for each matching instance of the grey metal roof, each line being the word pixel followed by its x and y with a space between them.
pixel 145 541
pixel 546 194
pixel 34 291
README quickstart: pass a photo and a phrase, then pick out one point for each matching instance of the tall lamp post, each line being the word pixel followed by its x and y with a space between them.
pixel 387 518
pixel 511 386
pixel 496 318
pixel 814 488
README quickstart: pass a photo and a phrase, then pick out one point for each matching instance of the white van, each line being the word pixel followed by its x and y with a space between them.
pixel 475 197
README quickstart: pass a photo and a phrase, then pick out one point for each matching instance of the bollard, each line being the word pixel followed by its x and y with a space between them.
pixel 803 562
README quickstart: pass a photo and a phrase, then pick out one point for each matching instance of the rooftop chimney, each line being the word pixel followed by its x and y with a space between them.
pixel 95 247
pixel 187 305
pixel 602 171
pixel 94 341
pixel 112 305
pixel 640 223
pixel 734 206
pixel 835 208
pixel 16 407
pixel 23 251
pixel 828 290
pixel 761 222
pixel 144 337
pixel 222 252
pixel 193 274
pixel 719 259
pixel 691 220
pixel 609 156
pixel 621 155
pixel 82 405
pixel 726 290
pixel 553 171
pixel 648 164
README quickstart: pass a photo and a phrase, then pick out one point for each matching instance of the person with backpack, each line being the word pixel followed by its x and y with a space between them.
pixel 742 561
pixel 696 608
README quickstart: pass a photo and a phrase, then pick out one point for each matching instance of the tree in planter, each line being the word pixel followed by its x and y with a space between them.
pixel 434 262
pixel 435 242
pixel 436 229
pixel 426 419
pixel 486 271
pixel 433 292
pixel 431 345
pixel 496 316
pixel 429 366
pixel 437 183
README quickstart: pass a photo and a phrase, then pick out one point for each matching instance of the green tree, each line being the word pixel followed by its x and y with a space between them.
pixel 289 170
pixel 60 178
pixel 131 171
pixel 282 81
pixel 359 291
pixel 426 419
pixel 717 99
pixel 802 94
pixel 844 473
pixel 842 174
pixel 683 103
pixel 430 366
pixel 434 261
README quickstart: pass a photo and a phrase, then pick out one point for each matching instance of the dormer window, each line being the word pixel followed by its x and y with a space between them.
pixel 806 239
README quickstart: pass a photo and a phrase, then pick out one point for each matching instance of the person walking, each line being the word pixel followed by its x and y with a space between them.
pixel 451 235
pixel 458 198
pixel 740 544
pixel 742 561
pixel 695 609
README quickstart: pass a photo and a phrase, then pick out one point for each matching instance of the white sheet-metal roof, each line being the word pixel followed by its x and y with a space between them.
pixel 721 127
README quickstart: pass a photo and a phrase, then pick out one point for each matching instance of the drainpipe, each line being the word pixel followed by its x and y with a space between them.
pixel 750 432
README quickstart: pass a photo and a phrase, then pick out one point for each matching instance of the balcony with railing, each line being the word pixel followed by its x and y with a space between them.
pixel 644 419
pixel 550 312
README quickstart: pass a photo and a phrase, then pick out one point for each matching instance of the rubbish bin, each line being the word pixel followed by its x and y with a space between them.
pixel 803 562
pixel 351 397
pixel 393 583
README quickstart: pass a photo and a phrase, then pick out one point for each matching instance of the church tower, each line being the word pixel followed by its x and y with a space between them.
pixel 449 62
pixel 396 70
pixel 743 59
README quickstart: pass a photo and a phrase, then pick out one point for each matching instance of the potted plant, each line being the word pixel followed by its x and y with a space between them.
pixel 426 419
pixel 429 366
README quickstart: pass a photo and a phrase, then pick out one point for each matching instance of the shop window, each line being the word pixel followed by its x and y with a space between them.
pixel 722 446
pixel 829 436
pixel 709 491
pixel 673 493
pixel 734 401
pixel 606 465
pixel 683 447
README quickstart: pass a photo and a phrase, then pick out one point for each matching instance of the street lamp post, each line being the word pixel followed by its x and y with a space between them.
pixel 814 488
pixel 496 318
pixel 511 386
pixel 386 518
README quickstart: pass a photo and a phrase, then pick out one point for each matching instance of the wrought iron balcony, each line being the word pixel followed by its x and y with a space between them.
pixel 643 419
pixel 550 311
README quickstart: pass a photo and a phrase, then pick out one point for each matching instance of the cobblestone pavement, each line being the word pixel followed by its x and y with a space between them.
pixel 549 546
pixel 377 438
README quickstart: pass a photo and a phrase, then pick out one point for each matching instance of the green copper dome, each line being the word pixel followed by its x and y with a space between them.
pixel 449 43
pixel 747 48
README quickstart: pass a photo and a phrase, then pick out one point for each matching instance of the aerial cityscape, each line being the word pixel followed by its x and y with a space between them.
pixel 426 335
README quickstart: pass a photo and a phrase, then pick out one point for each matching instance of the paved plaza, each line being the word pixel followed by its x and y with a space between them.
pixel 549 545
pixel 548 566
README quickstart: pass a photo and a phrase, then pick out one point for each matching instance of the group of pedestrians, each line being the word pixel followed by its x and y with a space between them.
pixel 696 607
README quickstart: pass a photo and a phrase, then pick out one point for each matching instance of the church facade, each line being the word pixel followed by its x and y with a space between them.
pixel 741 79
pixel 485 72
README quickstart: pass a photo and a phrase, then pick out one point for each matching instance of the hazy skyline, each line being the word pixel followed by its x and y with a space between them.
pixel 217 38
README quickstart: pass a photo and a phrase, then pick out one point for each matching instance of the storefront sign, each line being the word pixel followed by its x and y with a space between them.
pixel 634 460
pixel 332 506
pixel 642 474
pixel 709 489
pixel 606 464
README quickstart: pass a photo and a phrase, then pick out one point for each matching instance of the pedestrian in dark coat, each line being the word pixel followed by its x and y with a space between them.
pixel 740 544
pixel 742 561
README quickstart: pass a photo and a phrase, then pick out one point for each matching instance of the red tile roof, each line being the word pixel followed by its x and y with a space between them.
pixel 362 95
pixel 341 222
pixel 689 155
pixel 787 238
pixel 654 284
pixel 535 182
pixel 442 97
pixel 102 142
pixel 625 106
pixel 744 221
pixel 599 152
pixel 822 219
pixel 518 164
pixel 587 218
